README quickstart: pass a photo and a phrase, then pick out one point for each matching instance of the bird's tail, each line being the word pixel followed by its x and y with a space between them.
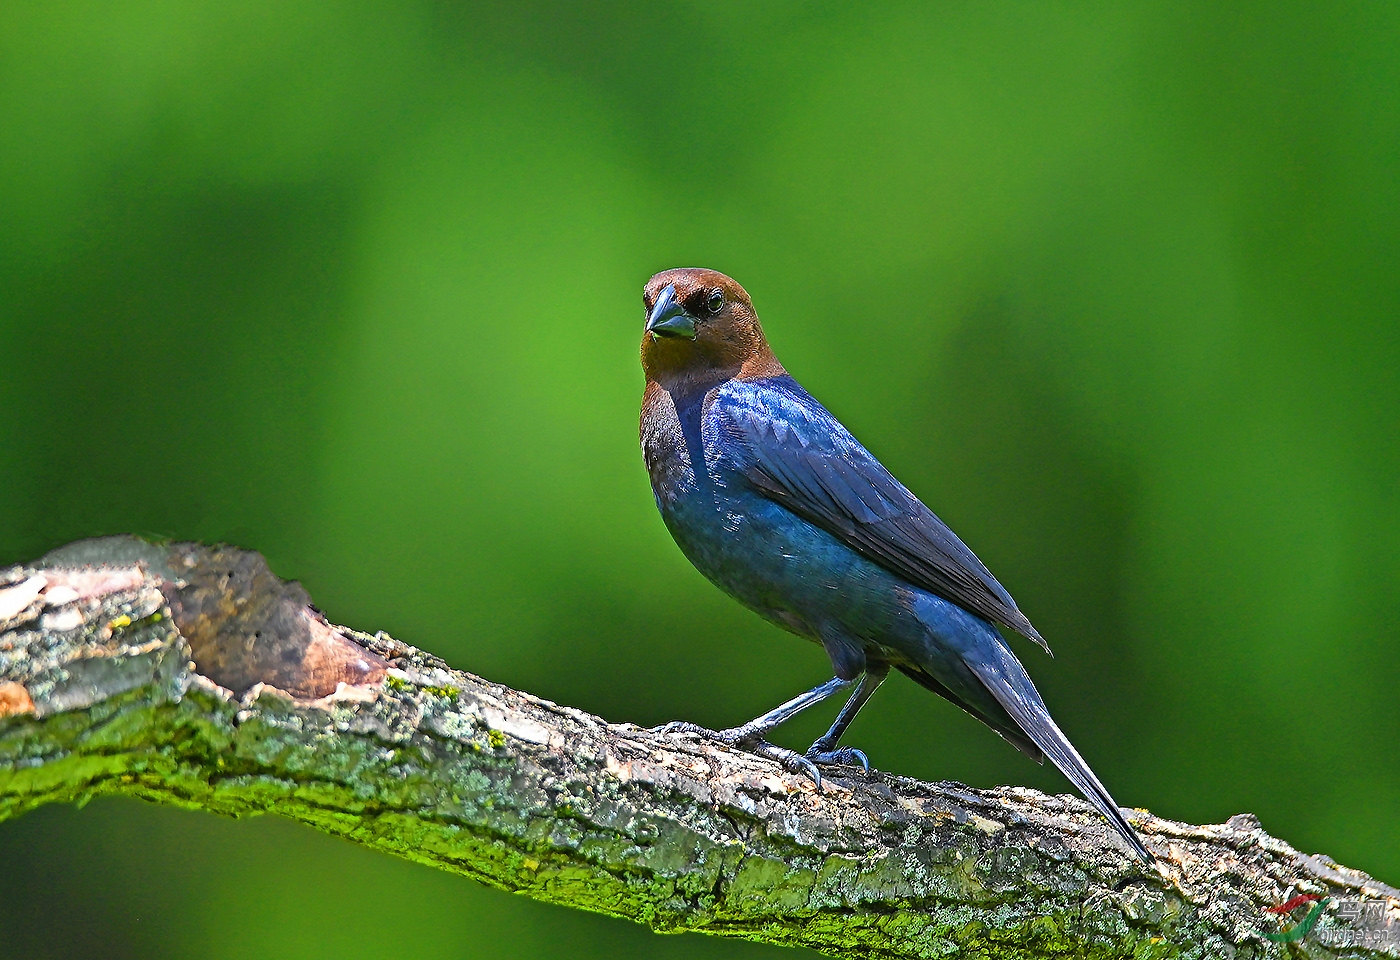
pixel 1008 682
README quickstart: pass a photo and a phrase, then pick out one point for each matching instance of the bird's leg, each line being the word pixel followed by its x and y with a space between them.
pixel 750 736
pixel 825 749
pixel 757 728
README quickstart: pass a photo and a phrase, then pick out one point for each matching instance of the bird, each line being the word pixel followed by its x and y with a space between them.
pixel 777 504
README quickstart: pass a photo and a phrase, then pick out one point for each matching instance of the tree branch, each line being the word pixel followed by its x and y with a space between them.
pixel 191 675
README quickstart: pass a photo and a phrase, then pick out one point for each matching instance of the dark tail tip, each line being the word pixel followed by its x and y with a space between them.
pixel 1134 839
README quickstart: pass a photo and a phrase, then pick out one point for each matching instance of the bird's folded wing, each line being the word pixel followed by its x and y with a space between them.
pixel 792 450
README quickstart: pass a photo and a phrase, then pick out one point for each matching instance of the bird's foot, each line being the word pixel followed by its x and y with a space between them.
pixel 791 760
pixel 846 756
pixel 685 726
pixel 745 737
pixel 749 738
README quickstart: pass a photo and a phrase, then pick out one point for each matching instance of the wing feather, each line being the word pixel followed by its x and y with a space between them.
pixel 791 449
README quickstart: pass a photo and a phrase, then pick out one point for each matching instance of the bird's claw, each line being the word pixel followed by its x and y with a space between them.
pixel 791 760
pixel 842 755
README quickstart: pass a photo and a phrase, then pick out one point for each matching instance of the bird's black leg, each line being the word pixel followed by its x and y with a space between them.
pixel 750 736
pixel 825 749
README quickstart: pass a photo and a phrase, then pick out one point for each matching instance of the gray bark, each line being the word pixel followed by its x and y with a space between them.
pixel 192 676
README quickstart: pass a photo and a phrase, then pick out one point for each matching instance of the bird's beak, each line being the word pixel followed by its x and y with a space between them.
pixel 668 318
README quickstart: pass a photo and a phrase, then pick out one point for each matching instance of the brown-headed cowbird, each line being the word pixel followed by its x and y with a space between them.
pixel 775 502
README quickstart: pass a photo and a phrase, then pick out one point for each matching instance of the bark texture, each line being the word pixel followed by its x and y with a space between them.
pixel 191 675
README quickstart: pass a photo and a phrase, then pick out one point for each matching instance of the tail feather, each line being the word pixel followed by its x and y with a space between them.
pixel 1005 727
pixel 1008 682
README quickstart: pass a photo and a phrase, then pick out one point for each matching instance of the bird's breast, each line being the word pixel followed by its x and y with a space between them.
pixel 768 558
pixel 664 447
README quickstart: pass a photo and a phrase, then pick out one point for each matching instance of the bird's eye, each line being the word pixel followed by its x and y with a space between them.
pixel 715 301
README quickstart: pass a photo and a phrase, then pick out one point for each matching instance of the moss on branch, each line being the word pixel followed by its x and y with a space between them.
pixel 191 675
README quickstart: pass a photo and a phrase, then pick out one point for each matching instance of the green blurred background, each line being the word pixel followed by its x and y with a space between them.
pixel 1114 287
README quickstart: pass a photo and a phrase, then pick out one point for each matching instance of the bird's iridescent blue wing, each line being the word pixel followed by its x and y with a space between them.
pixel 793 451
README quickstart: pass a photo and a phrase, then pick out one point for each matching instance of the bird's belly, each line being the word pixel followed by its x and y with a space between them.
pixel 789 571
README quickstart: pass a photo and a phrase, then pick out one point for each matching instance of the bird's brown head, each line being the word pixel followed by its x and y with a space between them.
pixel 701 326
